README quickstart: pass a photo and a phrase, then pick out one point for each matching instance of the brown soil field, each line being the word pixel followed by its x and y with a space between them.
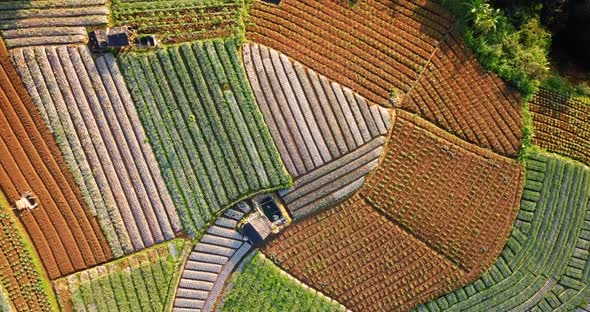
pixel 433 216
pixel 562 124
pixel 401 49
pixel 64 233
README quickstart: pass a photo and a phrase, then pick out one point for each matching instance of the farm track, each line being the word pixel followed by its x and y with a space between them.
pixel 204 101
pixel 561 125
pixel 21 278
pixel 545 263
pixel 64 232
pixel 422 58
pixel 181 21
pixel 34 23
pixel 471 195
pixel 211 263
pixel 143 281
pixel 89 110
pixel 328 136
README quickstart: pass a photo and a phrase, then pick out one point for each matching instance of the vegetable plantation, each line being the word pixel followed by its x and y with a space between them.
pixel 545 264
pixel 144 281
pixel 180 21
pixel 262 286
pixel 208 135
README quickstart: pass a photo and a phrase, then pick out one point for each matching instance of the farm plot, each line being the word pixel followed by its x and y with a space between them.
pixel 144 281
pixel 65 234
pixel 361 259
pixel 545 263
pixel 262 286
pixel 211 262
pixel 396 49
pixel 20 275
pixel 562 125
pixel 329 137
pixel 180 21
pixel 88 108
pixel 209 137
pixel 458 95
pixel 57 22
pixel 458 198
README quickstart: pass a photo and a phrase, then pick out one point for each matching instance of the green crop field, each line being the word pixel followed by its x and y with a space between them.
pixel 263 287
pixel 144 281
pixel 545 263
pixel 208 134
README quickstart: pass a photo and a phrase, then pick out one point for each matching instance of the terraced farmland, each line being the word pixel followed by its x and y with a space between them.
pixel 20 275
pixel 180 21
pixel 562 124
pixel 57 22
pixel 459 199
pixel 379 47
pixel 262 286
pixel 328 136
pixel 209 137
pixel 89 110
pixel 545 264
pixel 144 281
pixel 65 234
pixel 211 262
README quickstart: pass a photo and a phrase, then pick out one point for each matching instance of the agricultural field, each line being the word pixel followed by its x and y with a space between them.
pixel 448 204
pixel 263 286
pixel 562 124
pixel 329 137
pixel 58 22
pixel 66 235
pixel 21 273
pixel 403 51
pixel 181 21
pixel 144 281
pixel 458 198
pixel 209 137
pixel 89 110
pixel 545 263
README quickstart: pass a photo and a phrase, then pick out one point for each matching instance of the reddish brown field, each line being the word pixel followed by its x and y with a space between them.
pixel 377 46
pixel 562 124
pixel 433 216
pixel 66 236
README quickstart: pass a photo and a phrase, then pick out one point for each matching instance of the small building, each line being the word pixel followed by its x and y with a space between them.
pixel 257 228
pixel 119 37
pixel 98 39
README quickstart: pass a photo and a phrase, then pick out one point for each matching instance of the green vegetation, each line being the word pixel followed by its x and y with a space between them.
pixel 207 132
pixel 263 287
pixel 559 84
pixel 514 46
pixel 140 282
pixel 545 263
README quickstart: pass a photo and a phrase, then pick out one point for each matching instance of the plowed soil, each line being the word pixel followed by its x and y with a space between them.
pixel 66 236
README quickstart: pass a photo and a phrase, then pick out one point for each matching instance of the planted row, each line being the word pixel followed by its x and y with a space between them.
pixel 210 139
pixel 144 281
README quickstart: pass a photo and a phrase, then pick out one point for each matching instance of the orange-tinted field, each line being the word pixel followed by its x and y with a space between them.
pixel 66 236
pixel 433 216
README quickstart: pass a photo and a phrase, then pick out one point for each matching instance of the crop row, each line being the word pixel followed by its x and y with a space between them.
pixel 28 23
pixel 144 281
pixel 20 277
pixel 88 108
pixel 562 125
pixel 65 234
pixel 361 259
pixel 180 21
pixel 455 93
pixel 206 131
pixel 545 263
pixel 363 47
pixel 262 286
pixel 458 198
